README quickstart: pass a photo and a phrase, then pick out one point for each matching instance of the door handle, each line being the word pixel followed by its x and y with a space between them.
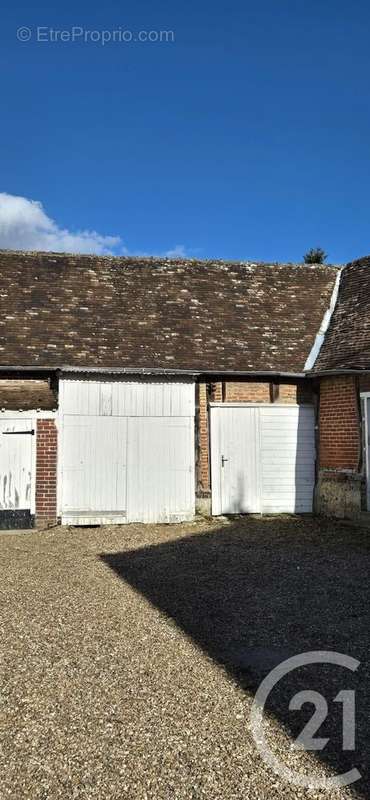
pixel 223 459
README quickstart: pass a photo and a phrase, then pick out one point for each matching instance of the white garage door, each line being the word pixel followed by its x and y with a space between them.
pixel 127 451
pixel 262 458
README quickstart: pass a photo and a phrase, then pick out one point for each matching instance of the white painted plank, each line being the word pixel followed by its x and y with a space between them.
pixel 287 459
pixel 160 469
pixel 94 465
pixel 124 398
pixel 96 475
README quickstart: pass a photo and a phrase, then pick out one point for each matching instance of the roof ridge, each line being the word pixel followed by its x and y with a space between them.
pixel 166 260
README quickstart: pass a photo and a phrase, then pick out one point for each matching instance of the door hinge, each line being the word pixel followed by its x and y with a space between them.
pixel 17 433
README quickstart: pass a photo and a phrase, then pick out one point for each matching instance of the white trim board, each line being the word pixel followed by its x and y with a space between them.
pixel 319 340
pixel 6 413
pixel 259 405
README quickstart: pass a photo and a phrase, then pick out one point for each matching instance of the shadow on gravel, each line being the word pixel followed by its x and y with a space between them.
pixel 256 592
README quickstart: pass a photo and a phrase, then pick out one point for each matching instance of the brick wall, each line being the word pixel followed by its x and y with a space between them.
pixel 295 393
pixel 46 472
pixel 203 480
pixel 259 392
pixel 216 392
pixel 247 392
pixel 339 424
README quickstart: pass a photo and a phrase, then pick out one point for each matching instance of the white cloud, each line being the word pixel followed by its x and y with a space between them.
pixel 24 225
pixel 179 251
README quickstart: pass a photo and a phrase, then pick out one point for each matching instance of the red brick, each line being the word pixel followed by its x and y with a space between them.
pixel 339 424
pixel 46 472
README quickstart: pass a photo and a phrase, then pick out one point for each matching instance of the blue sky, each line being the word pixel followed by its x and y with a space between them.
pixel 248 137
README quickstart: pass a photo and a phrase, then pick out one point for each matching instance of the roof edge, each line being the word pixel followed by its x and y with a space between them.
pixel 320 336
pixel 337 371
pixel 171 261
pixel 154 371
pixel 169 371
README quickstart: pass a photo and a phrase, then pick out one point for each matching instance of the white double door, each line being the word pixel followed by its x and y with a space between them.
pixel 262 458
pixel 127 469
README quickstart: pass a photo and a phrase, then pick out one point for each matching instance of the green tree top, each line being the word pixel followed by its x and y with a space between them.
pixel 316 255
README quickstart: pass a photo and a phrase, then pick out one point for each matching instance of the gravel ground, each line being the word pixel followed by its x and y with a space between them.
pixel 130 656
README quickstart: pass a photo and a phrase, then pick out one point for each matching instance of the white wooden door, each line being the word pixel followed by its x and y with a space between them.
pixel 234 460
pixel 127 451
pixel 160 469
pixel 16 471
pixel 94 469
pixel 262 458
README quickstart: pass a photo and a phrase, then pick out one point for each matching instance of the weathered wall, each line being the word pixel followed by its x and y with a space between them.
pixel 338 494
pixel 25 394
pixel 338 490
pixel 46 472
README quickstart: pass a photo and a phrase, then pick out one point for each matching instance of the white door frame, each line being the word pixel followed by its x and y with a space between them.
pixel 365 396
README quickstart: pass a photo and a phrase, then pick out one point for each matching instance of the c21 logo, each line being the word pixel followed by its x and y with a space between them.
pixel 307 739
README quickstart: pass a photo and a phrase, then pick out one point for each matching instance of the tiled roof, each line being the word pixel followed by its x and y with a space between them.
pixel 347 341
pixel 102 312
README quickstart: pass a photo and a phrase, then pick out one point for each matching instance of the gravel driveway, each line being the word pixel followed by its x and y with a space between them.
pixel 130 656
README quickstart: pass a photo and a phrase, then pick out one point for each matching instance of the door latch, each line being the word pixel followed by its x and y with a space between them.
pixel 223 460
